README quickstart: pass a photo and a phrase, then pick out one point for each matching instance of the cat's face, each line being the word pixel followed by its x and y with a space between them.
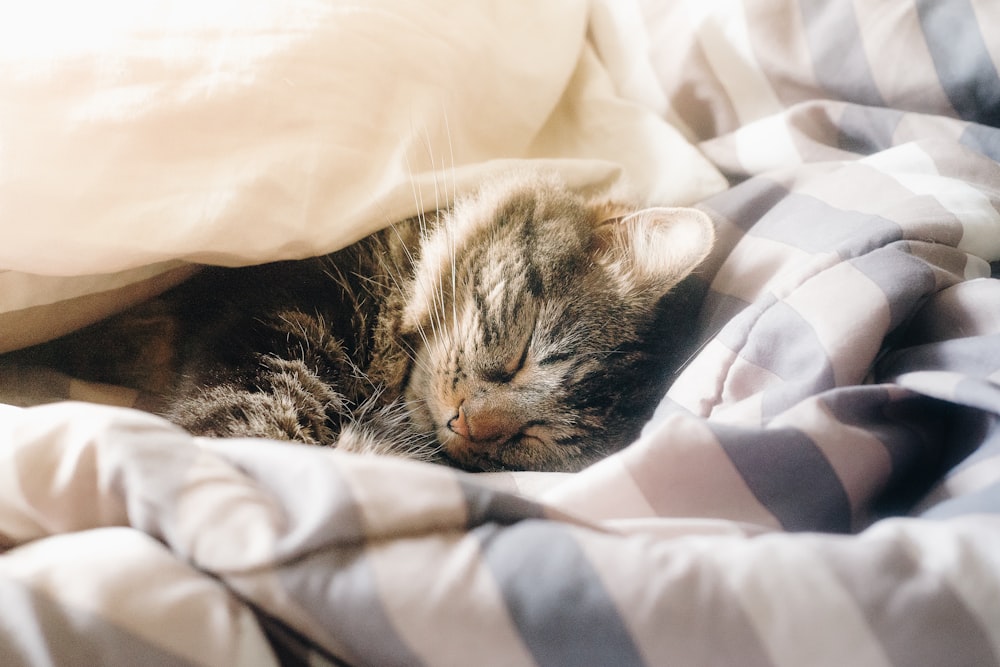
pixel 533 318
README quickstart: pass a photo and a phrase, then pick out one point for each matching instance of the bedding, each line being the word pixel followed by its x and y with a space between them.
pixel 820 486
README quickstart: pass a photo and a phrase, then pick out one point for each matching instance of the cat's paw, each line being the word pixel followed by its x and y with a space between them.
pixel 288 402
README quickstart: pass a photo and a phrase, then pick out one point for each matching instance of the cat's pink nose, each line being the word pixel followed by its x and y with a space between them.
pixel 483 424
pixel 459 425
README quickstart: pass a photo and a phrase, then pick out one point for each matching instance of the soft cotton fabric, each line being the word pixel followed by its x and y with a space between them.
pixel 821 486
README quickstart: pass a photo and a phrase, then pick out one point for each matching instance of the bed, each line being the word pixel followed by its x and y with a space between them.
pixel 820 486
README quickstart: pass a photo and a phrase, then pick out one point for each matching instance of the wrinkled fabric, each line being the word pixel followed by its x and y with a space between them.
pixel 134 136
pixel 820 486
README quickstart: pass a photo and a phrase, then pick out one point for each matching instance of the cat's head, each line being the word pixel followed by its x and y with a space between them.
pixel 536 323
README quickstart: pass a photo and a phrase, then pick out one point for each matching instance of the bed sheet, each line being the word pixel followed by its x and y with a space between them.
pixel 820 486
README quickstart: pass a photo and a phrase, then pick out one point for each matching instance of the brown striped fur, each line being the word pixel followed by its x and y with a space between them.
pixel 527 327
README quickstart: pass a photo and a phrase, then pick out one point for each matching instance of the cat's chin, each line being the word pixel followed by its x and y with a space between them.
pixel 473 456
pixel 520 453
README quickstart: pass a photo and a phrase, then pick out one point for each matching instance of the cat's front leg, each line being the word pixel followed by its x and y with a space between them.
pixel 285 401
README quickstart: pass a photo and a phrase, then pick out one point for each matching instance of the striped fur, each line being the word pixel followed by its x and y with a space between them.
pixel 528 327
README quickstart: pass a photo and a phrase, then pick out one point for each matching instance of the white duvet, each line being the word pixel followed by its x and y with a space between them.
pixel 136 137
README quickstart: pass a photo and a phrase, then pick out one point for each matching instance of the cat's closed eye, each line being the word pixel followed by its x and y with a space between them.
pixel 546 348
pixel 509 371
pixel 526 327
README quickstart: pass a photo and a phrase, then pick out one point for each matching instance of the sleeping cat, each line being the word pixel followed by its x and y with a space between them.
pixel 526 327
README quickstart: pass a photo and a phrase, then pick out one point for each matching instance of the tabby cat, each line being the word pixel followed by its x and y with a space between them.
pixel 526 327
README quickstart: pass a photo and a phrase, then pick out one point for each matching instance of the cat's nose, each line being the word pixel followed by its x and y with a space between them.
pixel 478 423
pixel 459 425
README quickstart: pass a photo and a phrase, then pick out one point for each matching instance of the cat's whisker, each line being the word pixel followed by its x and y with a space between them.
pixel 435 322
pixel 438 317
pixel 440 203
pixel 439 308
pixel 451 155
pixel 406 251
pixel 454 272
pixel 418 200
pixel 341 280
pixel 442 200
pixel 408 350
pixel 410 353
pixel 325 351
pixel 447 170
pixel 399 284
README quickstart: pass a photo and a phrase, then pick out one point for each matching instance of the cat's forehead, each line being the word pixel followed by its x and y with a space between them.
pixel 510 237
pixel 518 238
pixel 523 207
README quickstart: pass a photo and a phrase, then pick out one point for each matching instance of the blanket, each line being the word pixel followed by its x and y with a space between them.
pixel 138 139
pixel 820 486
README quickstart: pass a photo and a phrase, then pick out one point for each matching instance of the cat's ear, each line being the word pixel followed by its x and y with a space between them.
pixel 654 248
